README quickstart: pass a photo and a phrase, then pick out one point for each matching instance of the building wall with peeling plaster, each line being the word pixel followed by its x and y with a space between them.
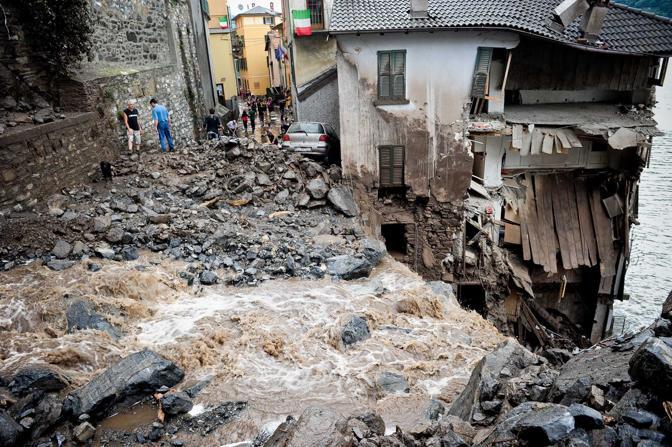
pixel 432 127
pixel 439 71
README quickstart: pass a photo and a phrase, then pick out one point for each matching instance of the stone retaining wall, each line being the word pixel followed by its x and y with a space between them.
pixel 40 160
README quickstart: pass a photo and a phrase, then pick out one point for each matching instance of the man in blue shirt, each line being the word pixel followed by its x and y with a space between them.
pixel 161 120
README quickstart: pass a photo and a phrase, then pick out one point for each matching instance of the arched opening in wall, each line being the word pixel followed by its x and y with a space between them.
pixel 395 239
pixel 472 297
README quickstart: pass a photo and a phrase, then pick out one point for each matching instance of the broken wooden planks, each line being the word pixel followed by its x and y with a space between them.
pixel 558 215
pixel 603 234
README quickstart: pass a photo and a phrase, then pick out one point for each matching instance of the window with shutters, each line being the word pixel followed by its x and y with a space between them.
pixel 391 166
pixel 392 76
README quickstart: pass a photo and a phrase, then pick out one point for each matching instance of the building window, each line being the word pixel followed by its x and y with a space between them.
pixel 269 20
pixel 391 166
pixel 392 75
pixel 316 14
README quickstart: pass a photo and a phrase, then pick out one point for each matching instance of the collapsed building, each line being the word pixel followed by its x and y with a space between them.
pixel 499 145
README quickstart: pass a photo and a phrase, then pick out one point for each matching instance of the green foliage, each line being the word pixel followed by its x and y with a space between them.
pixel 660 7
pixel 59 31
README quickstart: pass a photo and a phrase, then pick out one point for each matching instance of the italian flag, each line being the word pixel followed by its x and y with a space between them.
pixel 223 22
pixel 302 22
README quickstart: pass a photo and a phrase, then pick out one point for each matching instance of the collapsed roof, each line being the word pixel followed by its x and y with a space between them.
pixel 625 30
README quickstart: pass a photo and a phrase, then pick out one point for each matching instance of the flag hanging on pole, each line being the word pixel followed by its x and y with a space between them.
pixel 223 22
pixel 302 22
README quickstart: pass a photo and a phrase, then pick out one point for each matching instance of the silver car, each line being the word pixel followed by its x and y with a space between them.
pixel 311 139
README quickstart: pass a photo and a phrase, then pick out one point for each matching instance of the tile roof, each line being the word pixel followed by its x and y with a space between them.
pixel 625 30
pixel 259 10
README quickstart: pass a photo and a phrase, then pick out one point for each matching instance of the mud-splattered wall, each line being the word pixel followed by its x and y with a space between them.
pixel 431 125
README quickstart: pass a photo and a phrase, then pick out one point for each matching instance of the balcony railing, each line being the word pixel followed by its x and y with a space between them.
pixel 316 8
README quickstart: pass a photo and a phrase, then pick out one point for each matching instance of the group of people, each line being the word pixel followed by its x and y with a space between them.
pixel 256 106
pixel 161 122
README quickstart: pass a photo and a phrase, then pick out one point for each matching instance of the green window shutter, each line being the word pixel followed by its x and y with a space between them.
pixel 392 74
pixel 399 75
pixel 481 71
pixel 391 166
pixel 384 74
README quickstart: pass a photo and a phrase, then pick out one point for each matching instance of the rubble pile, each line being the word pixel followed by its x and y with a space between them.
pixel 617 393
pixel 15 113
pixel 236 212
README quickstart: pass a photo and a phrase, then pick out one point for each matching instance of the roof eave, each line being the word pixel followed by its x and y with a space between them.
pixel 517 30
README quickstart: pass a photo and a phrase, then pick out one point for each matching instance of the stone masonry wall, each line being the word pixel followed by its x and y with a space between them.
pixel 130 33
pixel 39 161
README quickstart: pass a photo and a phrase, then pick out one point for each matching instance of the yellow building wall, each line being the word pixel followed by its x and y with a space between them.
pixel 222 63
pixel 221 53
pixel 253 31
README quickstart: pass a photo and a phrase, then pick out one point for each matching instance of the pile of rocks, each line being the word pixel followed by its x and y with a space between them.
pixel 237 213
pixel 618 393
pixel 15 113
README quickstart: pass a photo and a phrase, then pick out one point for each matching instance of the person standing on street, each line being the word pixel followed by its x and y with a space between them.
pixel 212 125
pixel 245 118
pixel 261 106
pixel 253 116
pixel 132 126
pixel 161 119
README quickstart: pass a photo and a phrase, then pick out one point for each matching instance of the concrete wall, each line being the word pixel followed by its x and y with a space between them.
pixel 439 71
pixel 322 106
pixel 202 49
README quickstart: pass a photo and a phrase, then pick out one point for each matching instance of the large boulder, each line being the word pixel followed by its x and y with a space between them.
pixel 138 374
pixel 10 431
pixel 535 422
pixel 315 427
pixel 80 315
pixel 492 380
pixel 176 403
pixel 596 367
pixel 667 307
pixel 36 378
pixel 373 250
pixel 651 366
pixel 317 188
pixel 355 330
pixel 391 383
pixel 341 199
pixel 349 266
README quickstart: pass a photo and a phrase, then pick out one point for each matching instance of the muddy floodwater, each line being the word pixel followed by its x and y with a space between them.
pixel 649 277
pixel 276 346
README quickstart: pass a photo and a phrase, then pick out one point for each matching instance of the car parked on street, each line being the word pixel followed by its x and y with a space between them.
pixel 316 139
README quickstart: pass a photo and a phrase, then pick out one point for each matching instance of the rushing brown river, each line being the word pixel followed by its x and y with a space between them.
pixel 276 346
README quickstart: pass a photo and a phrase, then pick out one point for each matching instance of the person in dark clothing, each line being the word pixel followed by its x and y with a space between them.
pixel 253 116
pixel 212 124
pixel 245 118
pixel 261 106
pixel 132 126
pixel 281 106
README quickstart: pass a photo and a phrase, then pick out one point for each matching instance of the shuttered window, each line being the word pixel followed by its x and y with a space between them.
pixel 392 74
pixel 481 72
pixel 391 165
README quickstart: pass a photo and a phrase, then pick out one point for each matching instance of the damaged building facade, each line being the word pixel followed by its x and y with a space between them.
pixel 498 146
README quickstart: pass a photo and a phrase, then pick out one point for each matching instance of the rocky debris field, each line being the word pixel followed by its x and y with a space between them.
pixel 15 113
pixel 236 212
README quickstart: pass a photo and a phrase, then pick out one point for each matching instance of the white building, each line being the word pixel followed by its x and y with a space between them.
pixel 499 103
